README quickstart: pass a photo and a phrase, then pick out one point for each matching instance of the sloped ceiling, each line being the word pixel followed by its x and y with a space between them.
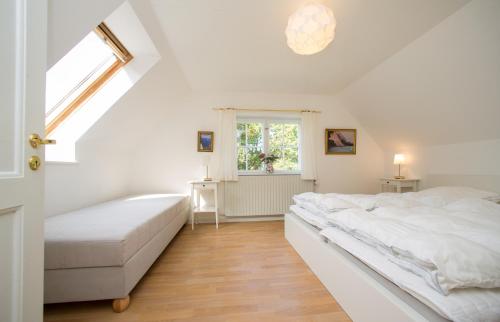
pixel 70 21
pixel 443 88
pixel 228 45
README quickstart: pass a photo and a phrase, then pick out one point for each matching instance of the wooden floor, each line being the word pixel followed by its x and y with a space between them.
pixel 242 272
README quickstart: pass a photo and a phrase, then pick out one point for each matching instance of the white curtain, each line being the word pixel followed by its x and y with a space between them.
pixel 228 167
pixel 308 144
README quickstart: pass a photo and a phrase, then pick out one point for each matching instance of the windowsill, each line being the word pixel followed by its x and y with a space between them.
pixel 263 173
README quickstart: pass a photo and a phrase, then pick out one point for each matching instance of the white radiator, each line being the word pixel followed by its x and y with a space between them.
pixel 263 195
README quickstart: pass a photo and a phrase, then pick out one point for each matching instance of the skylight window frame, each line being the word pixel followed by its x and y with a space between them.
pixel 123 57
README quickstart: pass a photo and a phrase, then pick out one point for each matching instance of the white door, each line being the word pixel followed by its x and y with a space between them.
pixel 22 89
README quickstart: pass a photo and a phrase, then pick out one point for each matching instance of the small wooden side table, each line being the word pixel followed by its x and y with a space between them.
pixel 197 186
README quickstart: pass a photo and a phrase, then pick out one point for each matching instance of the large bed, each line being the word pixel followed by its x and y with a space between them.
pixel 368 285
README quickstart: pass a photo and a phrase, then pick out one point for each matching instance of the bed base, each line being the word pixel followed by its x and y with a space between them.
pixel 364 294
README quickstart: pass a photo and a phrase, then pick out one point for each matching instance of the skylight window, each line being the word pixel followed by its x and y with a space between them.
pixel 81 73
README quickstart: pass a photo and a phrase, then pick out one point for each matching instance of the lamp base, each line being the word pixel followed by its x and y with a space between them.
pixel 399 177
pixel 207 179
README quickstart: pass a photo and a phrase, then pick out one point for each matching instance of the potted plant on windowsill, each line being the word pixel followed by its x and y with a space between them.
pixel 268 161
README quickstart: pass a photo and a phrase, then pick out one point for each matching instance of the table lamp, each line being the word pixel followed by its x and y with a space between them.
pixel 399 159
pixel 206 163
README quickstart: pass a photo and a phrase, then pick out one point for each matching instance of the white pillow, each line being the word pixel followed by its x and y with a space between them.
pixel 450 194
pixel 475 205
pixel 307 196
pixel 495 199
pixel 332 204
pixel 309 206
pixel 360 200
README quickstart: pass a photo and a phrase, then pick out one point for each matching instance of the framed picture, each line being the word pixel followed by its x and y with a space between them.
pixel 205 141
pixel 340 141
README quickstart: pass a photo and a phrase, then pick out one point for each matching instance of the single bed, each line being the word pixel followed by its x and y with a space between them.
pixel 101 252
pixel 370 287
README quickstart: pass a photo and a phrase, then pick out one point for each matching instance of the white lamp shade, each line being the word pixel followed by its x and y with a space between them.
pixel 399 158
pixel 310 29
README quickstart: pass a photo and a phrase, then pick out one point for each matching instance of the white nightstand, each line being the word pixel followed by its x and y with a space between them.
pixel 399 184
pixel 196 187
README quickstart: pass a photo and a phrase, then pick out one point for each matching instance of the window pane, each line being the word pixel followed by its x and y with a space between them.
pixel 250 143
pixel 283 143
pixel 74 67
pixel 241 134
pixel 74 93
pixel 241 159
pixel 276 134
pixel 254 134
pixel 289 160
pixel 275 150
pixel 275 139
pixel 290 134
pixel 253 159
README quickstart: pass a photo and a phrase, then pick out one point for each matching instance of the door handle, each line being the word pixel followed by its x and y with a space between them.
pixel 35 140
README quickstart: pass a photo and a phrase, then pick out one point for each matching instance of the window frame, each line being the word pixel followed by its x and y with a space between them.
pixel 265 137
pixel 123 57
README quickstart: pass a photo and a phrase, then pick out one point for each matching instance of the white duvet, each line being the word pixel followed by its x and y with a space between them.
pixel 461 305
pixel 456 246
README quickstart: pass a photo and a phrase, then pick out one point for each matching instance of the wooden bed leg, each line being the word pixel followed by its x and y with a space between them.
pixel 120 305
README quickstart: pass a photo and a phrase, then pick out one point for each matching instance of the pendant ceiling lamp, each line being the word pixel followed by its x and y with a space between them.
pixel 310 29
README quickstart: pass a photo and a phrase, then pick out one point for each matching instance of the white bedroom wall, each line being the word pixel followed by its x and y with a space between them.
pixel 167 158
pixel 99 175
pixel 437 100
pixel 467 159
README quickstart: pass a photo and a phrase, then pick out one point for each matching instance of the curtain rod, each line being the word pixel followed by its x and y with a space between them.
pixel 262 110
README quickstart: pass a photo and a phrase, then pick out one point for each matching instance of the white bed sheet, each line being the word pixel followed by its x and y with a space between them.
pixel 464 305
pixel 317 220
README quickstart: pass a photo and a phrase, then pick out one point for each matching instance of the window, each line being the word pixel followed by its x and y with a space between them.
pixel 81 73
pixel 279 137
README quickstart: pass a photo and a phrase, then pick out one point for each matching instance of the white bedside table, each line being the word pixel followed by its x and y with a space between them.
pixel 399 184
pixel 196 187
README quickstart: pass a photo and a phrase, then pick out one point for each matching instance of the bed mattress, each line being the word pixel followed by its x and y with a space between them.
pixel 108 234
pixel 462 305
pixel 315 220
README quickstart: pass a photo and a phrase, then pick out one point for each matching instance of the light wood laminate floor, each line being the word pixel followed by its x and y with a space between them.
pixel 242 272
